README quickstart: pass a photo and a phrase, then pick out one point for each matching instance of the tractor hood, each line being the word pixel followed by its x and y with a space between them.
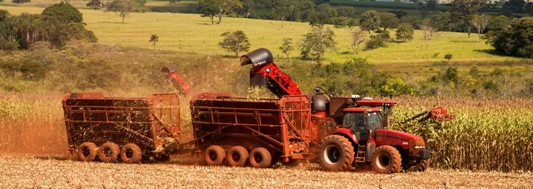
pixel 397 138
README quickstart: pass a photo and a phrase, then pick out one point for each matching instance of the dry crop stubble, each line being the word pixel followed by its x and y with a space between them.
pixel 25 172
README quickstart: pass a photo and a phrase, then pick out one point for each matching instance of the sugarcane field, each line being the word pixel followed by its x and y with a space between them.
pixel 266 94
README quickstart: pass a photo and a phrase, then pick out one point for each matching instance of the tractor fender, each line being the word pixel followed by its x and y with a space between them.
pixel 346 132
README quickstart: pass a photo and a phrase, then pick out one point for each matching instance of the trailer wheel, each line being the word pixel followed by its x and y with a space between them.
pixel 214 155
pixel 237 156
pixel 386 160
pixel 131 153
pixel 419 166
pixel 335 153
pixel 260 157
pixel 109 152
pixel 87 151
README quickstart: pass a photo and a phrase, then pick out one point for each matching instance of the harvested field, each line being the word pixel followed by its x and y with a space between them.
pixel 28 172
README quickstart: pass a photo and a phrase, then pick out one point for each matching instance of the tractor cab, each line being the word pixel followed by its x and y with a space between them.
pixel 363 122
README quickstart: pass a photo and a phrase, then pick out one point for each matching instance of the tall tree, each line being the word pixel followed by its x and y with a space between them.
pixel 462 9
pixel 28 29
pixel 64 12
pixel 286 47
pixel 358 37
pixel 219 7
pixel 235 42
pixel 427 28
pixel 322 15
pixel 496 24
pixel 208 9
pixel 404 32
pixel 388 20
pixel 95 4
pixel 515 39
pixel 370 21
pixel 124 7
pixel 317 42
pixel 7 35
pixel 480 22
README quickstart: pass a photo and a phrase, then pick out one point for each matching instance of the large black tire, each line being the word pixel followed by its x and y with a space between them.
pixel 275 158
pixel 109 152
pixel 386 160
pixel 335 153
pixel 87 151
pixel 419 166
pixel 260 157
pixel 237 156
pixel 131 153
pixel 214 155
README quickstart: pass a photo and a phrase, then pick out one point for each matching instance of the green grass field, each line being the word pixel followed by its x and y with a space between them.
pixel 191 33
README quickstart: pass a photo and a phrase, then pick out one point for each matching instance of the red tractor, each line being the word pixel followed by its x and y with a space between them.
pixel 362 133
pixel 363 136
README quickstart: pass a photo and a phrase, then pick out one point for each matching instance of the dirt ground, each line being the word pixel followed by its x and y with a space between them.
pixel 19 171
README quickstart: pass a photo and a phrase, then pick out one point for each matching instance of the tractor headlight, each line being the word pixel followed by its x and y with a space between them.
pixel 420 146
pixel 267 70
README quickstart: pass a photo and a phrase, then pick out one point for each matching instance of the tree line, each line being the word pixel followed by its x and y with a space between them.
pixel 57 24
pixel 461 16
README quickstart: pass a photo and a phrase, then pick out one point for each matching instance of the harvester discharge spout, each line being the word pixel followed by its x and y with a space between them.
pixel 179 83
pixel 265 72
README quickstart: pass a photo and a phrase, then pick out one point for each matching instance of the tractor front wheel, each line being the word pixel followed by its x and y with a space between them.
pixel 386 160
pixel 335 153
pixel 420 165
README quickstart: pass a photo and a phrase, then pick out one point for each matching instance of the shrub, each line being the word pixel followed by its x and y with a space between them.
pixel 515 39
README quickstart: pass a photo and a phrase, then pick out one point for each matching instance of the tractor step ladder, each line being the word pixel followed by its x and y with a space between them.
pixel 360 156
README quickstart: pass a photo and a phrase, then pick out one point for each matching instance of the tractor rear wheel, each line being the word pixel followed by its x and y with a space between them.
pixel 109 152
pixel 335 153
pixel 421 165
pixel 214 155
pixel 131 153
pixel 260 157
pixel 87 151
pixel 237 156
pixel 386 160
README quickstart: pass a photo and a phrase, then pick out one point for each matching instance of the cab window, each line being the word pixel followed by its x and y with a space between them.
pixel 355 121
pixel 374 121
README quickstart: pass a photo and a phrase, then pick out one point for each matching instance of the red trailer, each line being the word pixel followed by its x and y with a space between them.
pixel 265 131
pixel 126 129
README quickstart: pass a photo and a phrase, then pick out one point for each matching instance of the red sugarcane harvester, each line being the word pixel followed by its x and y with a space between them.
pixel 339 132
pixel 362 133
